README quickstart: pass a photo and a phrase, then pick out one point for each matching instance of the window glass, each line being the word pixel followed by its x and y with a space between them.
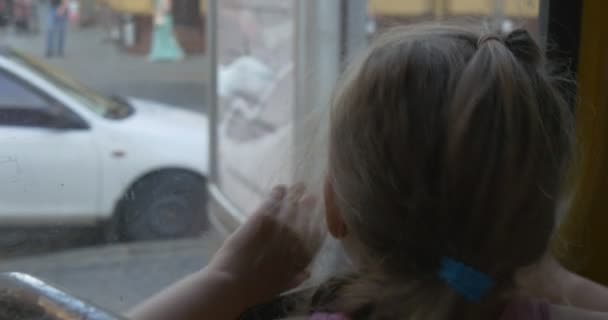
pixel 257 41
pixel 104 144
pixel 14 94
pixel 109 199
pixel 255 88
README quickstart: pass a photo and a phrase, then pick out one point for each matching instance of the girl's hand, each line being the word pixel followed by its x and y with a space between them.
pixel 271 251
pixel 264 257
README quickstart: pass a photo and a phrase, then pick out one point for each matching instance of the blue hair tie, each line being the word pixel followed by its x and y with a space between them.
pixel 468 282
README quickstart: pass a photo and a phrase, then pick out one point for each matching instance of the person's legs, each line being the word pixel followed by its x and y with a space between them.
pixel 50 34
pixel 61 34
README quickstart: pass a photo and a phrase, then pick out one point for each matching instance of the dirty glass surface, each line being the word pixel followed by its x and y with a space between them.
pixel 104 128
pixel 255 90
pixel 257 109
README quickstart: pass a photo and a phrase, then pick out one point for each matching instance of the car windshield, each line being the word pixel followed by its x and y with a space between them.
pixel 108 107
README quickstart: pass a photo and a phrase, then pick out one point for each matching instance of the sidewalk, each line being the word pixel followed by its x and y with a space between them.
pixel 104 67
pixel 118 277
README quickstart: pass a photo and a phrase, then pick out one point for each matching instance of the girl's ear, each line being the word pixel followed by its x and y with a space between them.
pixel 333 215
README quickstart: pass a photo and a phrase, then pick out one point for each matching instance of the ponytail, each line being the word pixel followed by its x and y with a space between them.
pixel 446 142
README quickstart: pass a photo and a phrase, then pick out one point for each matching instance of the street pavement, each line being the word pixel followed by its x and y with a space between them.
pixel 117 277
pixel 105 67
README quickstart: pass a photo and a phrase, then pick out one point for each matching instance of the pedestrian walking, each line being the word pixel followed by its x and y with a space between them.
pixel 21 14
pixel 164 44
pixel 108 21
pixel 57 24
pixel 4 14
pixel 6 7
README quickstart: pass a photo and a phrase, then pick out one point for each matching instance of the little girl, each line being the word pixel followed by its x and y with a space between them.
pixel 448 148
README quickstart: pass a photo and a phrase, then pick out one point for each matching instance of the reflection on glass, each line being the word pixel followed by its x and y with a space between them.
pixel 256 75
pixel 255 88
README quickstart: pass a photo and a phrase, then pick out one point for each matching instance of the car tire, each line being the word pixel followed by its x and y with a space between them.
pixel 166 205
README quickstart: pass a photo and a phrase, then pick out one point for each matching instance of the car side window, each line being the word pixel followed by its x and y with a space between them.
pixel 20 105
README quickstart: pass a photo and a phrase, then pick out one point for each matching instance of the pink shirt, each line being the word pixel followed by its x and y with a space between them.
pixel 328 316
pixel 517 310
pixel 527 310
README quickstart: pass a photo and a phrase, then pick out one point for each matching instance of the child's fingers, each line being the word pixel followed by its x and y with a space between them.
pixel 263 220
pixel 295 192
pixel 290 205
pixel 307 203
pixel 273 201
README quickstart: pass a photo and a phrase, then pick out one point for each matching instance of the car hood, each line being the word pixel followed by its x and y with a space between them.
pixel 164 120
pixel 158 135
pixel 146 110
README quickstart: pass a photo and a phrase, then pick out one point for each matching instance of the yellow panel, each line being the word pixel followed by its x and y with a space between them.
pixel 584 234
pixel 471 7
pixel 203 6
pixel 521 8
pixel 132 6
pixel 400 7
pixel 512 8
pixel 141 6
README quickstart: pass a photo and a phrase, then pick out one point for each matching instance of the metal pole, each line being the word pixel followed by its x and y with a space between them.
pixel 317 52
pixel 543 23
pixel 355 31
pixel 224 215
pixel 318 48
pixel 30 296
pixel 212 98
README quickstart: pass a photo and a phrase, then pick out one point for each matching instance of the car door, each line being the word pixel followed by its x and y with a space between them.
pixel 48 158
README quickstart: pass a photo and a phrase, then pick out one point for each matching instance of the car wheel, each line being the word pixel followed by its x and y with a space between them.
pixel 166 205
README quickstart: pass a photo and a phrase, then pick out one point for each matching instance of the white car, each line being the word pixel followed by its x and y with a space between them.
pixel 69 155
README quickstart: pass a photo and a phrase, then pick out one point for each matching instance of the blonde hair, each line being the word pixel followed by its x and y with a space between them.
pixel 445 142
